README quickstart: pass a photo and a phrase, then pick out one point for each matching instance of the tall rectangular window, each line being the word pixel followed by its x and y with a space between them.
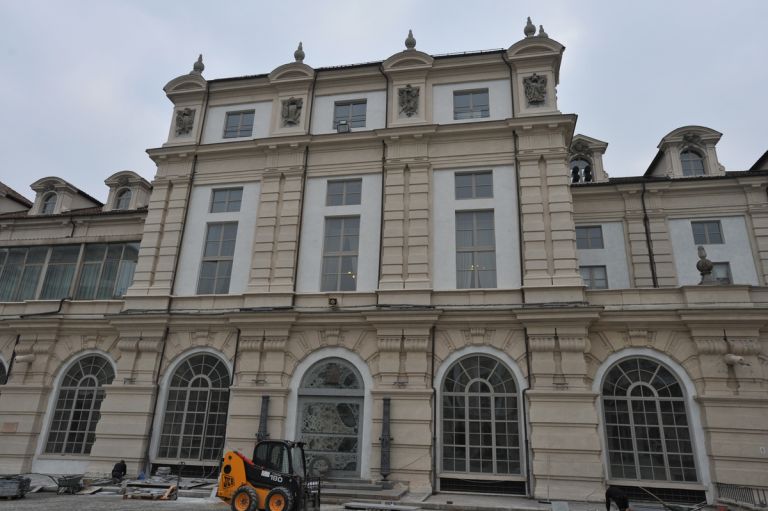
pixel 60 271
pixel 589 237
pixel 707 233
pixel 226 200
pixel 345 192
pixel 353 112
pixel 471 104
pixel 342 236
pixel 107 270
pixel 219 251
pixel 239 124
pixel 595 277
pixel 474 185
pixel 722 273
pixel 475 250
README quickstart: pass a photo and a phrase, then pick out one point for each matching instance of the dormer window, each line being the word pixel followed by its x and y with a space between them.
pixel 581 171
pixel 693 163
pixel 49 204
pixel 123 200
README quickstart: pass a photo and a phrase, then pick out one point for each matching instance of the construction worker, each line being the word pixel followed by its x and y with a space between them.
pixel 119 471
pixel 619 497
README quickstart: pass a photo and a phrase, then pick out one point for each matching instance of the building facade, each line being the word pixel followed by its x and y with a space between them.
pixel 420 245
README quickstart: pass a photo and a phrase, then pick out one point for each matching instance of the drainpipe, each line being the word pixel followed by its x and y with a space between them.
pixel 13 358
pixel 525 404
pixel 434 411
pixel 303 190
pixel 647 227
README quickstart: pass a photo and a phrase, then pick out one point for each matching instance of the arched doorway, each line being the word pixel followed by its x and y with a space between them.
pixel 196 411
pixel 330 417
pixel 648 434
pixel 480 421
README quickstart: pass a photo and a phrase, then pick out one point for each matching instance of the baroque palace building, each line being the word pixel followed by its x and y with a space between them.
pixel 413 265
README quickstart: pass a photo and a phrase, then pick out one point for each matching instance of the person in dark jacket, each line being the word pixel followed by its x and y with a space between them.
pixel 119 471
pixel 618 496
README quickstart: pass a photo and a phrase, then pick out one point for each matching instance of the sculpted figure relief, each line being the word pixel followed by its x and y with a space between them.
pixel 535 89
pixel 409 100
pixel 292 111
pixel 184 120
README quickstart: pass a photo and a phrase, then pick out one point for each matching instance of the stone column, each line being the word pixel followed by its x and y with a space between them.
pixel 566 452
pixel 128 410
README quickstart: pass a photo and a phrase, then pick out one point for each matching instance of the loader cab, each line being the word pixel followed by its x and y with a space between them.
pixel 280 456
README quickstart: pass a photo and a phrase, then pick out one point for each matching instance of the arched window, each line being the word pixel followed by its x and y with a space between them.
pixel 581 171
pixel 77 406
pixel 123 200
pixel 646 423
pixel 480 418
pixel 330 418
pixel 693 163
pixel 196 410
pixel 49 204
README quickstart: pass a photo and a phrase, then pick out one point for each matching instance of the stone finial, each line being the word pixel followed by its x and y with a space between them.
pixel 299 53
pixel 705 267
pixel 541 31
pixel 198 66
pixel 530 28
pixel 410 41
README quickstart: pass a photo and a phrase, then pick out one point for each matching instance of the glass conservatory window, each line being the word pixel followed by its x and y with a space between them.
pixel 77 406
pixel 646 423
pixel 480 418
pixel 3 374
pixel 196 410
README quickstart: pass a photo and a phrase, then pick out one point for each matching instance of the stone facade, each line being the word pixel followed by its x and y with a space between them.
pixel 558 338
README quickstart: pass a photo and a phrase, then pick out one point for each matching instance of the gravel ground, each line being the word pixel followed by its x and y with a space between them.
pixel 52 502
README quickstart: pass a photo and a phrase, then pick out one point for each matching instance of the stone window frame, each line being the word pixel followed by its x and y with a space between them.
pixel 590 241
pixel 228 201
pixel 121 203
pixel 348 195
pixel 335 259
pixel 48 203
pixel 686 163
pixel 213 370
pixel 707 235
pixel 477 272
pixel 97 371
pixel 588 275
pixel 466 393
pixel 221 257
pixel 474 111
pixel 673 391
pixel 353 121
pixel 473 186
pixel 241 129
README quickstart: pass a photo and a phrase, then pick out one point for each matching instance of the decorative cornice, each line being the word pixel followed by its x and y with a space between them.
pixel 416 343
pixel 389 343
pixel 275 343
pixel 574 344
pixel 710 346
pixel 542 342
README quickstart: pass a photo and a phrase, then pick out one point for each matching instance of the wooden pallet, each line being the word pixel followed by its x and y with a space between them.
pixel 169 494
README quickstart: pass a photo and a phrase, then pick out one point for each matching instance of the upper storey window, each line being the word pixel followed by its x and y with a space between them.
pixel 707 233
pixel 239 124
pixel 226 200
pixel 344 192
pixel 471 104
pixel 49 204
pixel 693 163
pixel 474 185
pixel 581 171
pixel 350 112
pixel 123 200
pixel 589 237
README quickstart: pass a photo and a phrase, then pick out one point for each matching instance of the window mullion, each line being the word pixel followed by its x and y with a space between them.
pixel 663 438
pixel 41 276
pixel 183 420
pixel 78 269
pixel 204 433
pixel 635 453
pixel 91 410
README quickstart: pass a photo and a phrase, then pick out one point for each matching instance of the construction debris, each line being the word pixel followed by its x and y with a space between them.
pixel 151 492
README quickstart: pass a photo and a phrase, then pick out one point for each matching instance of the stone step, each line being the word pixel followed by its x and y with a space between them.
pixel 342 495
pixel 363 485
pixel 373 506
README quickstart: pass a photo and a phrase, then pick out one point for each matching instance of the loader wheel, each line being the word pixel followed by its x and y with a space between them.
pixel 279 499
pixel 245 499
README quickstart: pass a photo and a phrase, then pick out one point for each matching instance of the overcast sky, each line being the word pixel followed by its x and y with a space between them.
pixel 81 81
